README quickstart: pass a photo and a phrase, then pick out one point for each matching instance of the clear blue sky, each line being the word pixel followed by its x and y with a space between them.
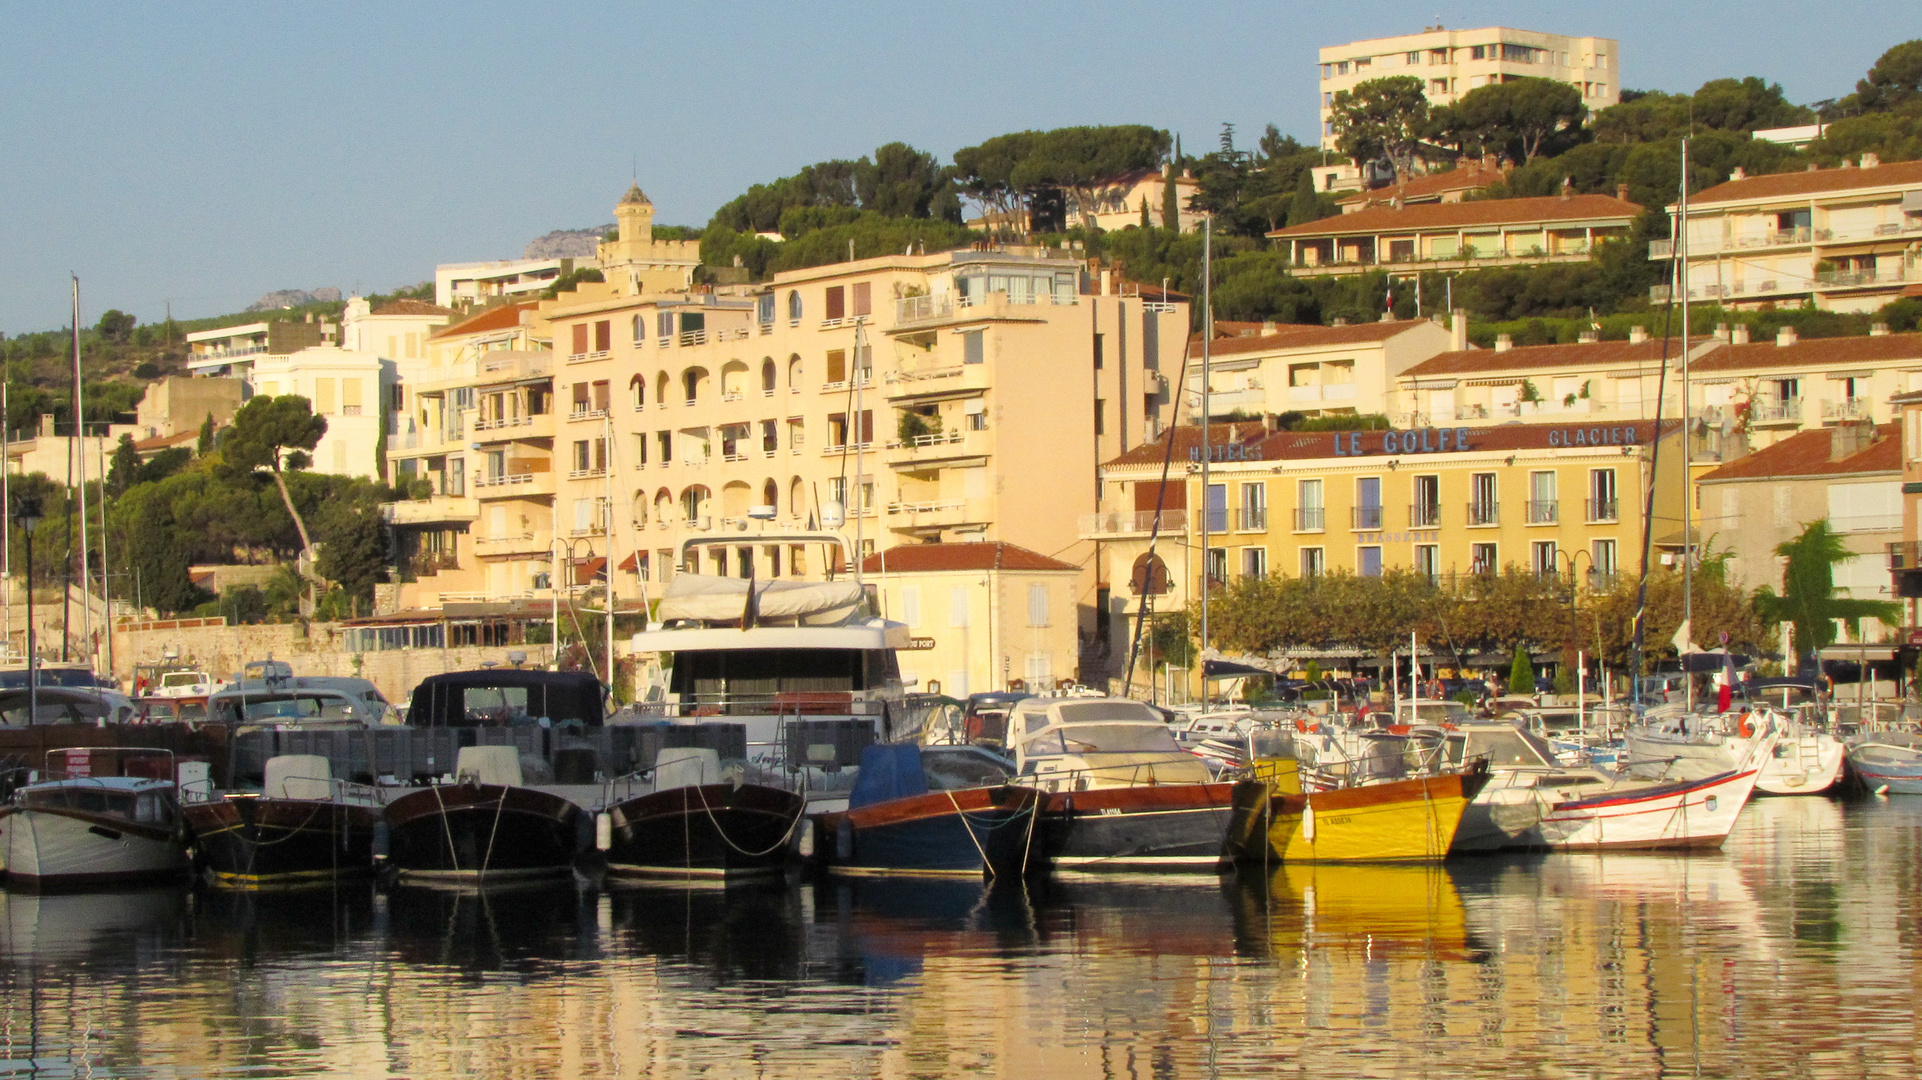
pixel 206 154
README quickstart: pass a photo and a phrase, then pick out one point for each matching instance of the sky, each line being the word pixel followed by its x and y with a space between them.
pixel 200 155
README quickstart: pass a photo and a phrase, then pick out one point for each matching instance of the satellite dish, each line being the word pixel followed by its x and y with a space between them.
pixel 761 512
pixel 833 515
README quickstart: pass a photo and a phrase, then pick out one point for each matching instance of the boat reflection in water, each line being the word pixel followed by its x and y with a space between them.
pixel 1369 911
pixel 106 927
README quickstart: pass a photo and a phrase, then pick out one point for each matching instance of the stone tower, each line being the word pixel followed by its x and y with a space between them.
pixel 635 216
pixel 636 260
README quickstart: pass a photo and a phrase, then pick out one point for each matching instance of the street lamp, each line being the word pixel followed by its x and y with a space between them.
pixel 561 543
pixel 1571 558
pixel 26 516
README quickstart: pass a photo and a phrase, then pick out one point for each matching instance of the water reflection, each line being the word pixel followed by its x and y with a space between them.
pixel 1790 953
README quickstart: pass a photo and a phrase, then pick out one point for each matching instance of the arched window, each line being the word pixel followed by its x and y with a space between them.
pixel 733 380
pixel 767 376
pixel 796 497
pixel 637 389
pixel 794 305
pixel 794 373
pixel 640 509
pixel 640 329
pixel 771 494
pixel 694 505
pixel 660 388
pixel 663 506
pixel 691 381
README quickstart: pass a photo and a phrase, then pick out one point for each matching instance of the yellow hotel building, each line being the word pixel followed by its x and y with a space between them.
pixel 1438 500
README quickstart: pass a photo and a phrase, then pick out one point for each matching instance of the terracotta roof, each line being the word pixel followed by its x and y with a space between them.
pixel 1385 219
pixel 1293 336
pixel 498 317
pixel 1807 453
pixel 412 307
pixel 1188 437
pixel 994 555
pixel 1470 177
pixel 163 442
pixel 1780 185
pixel 1311 445
pixel 1542 357
pixel 1873 348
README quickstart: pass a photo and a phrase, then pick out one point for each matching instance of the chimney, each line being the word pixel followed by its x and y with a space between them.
pixel 1813 167
pixel 1268 327
pixel 1504 342
pixel 1721 332
pixel 1637 335
pixel 46 425
pixel 1340 321
pixel 1621 192
pixel 1849 439
pixel 1588 337
pixel 1785 337
pixel 1738 334
pixel 1458 330
pixel 1568 188
pixel 1878 329
pixel 1870 161
pixel 1738 173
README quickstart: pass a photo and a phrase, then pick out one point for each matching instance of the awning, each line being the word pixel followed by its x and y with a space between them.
pixel 631 563
pixel 1913 290
pixel 588 569
pixel 1859 652
pixel 1225 669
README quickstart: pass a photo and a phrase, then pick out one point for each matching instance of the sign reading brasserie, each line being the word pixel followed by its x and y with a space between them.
pixel 1426 441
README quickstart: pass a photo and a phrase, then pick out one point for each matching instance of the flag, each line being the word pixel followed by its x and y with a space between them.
pixel 1683 646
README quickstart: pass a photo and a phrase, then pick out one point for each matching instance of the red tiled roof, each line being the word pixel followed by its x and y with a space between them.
pixel 1756 355
pixel 1808 454
pixel 1542 357
pixel 1470 177
pixel 498 317
pixel 1309 445
pixel 412 307
pixel 1834 350
pixel 1295 336
pixel 1782 185
pixel 162 442
pixel 1387 219
pixel 994 555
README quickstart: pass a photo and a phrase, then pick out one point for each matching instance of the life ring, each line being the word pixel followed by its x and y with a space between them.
pixel 1746 728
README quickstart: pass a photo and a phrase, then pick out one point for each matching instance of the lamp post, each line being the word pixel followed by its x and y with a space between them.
pixel 26 515
pixel 561 543
pixel 1574 583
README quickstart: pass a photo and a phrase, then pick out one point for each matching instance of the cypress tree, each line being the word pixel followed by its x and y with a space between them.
pixel 1521 674
pixel 1144 212
pixel 1306 205
pixel 1170 201
pixel 206 441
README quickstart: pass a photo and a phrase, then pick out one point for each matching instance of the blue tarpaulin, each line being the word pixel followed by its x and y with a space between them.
pixel 888 771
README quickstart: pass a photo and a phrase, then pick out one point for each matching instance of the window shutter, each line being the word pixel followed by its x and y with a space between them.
pixel 958 607
pixel 603 335
pixel 1037 605
pixel 580 338
pixel 863 305
pixel 837 302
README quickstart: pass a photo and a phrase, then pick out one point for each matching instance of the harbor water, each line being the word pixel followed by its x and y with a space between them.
pixel 1792 952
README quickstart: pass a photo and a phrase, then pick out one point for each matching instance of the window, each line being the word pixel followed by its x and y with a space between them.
pixel 977 413
pixel 837 302
pixel 580 340
pixel 837 366
pixel 794 374
pixel 640 335
pixel 1425 512
pixel 837 429
pixel 1040 671
pixel 1481 559
pixel 1254 506
pixel 664 325
pixel 794 306
pixel 1327 71
pixel 1480 52
pixel 1368 561
pixel 1217 508
pixel 763 311
pixel 1327 100
pixel 1254 562
pixel 1481 500
pixel 1602 559
pixel 640 450
pixel 667 446
pixel 1217 565
pixel 958 607
pixel 1310 516
pixel 1312 562
pixel 770 439
pixel 324 397
pixel 863 302
pixel 1412 59
pixel 1601 495
pixel 911 605
pixel 1037 605
pixel 1341 67
pixel 1100 417
pixel 971 346
pixel 603 336
pixel 796 432
pixel 637 392
pixel 1543 508
pixel 1428 560
pixel 1368 505
pixel 767 376
pixel 1099 348
pixel 1541 557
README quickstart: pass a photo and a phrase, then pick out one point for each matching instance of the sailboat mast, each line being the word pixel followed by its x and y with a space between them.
pixel 1207 507
pixel 1688 436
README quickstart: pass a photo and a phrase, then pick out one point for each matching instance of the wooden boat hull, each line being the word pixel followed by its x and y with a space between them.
pixel 1683 814
pixel 50 847
pixel 1412 820
pixel 248 841
pixel 710 831
pixel 1150 827
pixel 476 832
pixel 1803 765
pixel 969 832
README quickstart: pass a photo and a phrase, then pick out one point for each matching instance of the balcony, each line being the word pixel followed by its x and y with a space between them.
pixel 512 367
pixel 940 513
pixel 1120 523
pixel 511 544
pixel 590 473
pixel 939 446
pixel 1365 518
pixel 581 413
pixel 1251 519
pixel 509 428
pixel 1424 515
pixel 1766 411
pixel 1601 510
pixel 436 510
pixel 1311 519
pixel 924 379
pixel 1484 513
pixel 923 312
pixel 1544 511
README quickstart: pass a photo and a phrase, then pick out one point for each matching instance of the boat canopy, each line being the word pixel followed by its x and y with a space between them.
pixel 888 771
pixel 704 598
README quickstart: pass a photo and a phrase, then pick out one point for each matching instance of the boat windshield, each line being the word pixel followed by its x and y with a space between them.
pixel 1504 749
pixel 147 806
pixel 266 708
pixel 495 705
pixel 1105 739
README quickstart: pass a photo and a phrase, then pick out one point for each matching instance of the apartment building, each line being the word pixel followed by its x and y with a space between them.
pixel 1552 498
pixel 1761 391
pixel 1442 236
pixel 1455 185
pixel 1450 63
pixel 1905 554
pixel 1272 369
pixel 465 286
pixel 1849 475
pixel 1845 239
pixel 233 350
pixel 348 388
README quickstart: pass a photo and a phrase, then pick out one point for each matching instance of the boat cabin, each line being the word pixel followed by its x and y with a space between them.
pixel 130 798
pixel 64 705
pixel 1077 743
pixel 509 698
pixel 1504 745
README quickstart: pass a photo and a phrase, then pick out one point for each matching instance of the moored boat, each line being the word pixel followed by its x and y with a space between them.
pixel 484 826
pixel 84 830
pixel 1804 761
pixel 701 821
pixel 1677 814
pixel 936 810
pixel 1889 762
pixel 303 826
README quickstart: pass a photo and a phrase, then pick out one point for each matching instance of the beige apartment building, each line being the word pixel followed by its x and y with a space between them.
pixel 1450 63
pixel 1272 369
pixel 1845 239
pixel 1443 236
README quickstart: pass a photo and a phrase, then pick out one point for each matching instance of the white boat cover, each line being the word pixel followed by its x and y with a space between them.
pixel 708 599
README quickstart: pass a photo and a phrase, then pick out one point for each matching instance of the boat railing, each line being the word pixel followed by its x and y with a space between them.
pixel 779 706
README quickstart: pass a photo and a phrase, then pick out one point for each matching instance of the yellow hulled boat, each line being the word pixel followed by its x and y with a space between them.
pixel 1412 820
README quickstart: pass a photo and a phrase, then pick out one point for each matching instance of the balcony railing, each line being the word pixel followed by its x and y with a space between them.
pixel 1544 511
pixel 1252 518
pixel 1424 515
pixel 1364 517
pixel 1484 513
pixel 503 422
pixel 1311 519
pixel 505 480
pixel 1765 411
pixel 1855 408
pixel 1601 509
pixel 1140 521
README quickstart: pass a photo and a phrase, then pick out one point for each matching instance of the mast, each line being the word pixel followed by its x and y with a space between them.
pixel 6 509
pixel 607 509
pixel 1688 434
pixel 100 508
pixel 853 502
pixel 80 455
pixel 1207 509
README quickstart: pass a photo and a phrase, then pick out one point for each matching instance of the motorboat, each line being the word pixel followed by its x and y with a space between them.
pixel 701 819
pixel 184 683
pixel 1534 801
pixel 66 705
pixel 303 826
pixel 1805 760
pixel 267 693
pixel 932 810
pixel 1119 793
pixel 1673 744
pixel 1889 761
pixel 100 816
